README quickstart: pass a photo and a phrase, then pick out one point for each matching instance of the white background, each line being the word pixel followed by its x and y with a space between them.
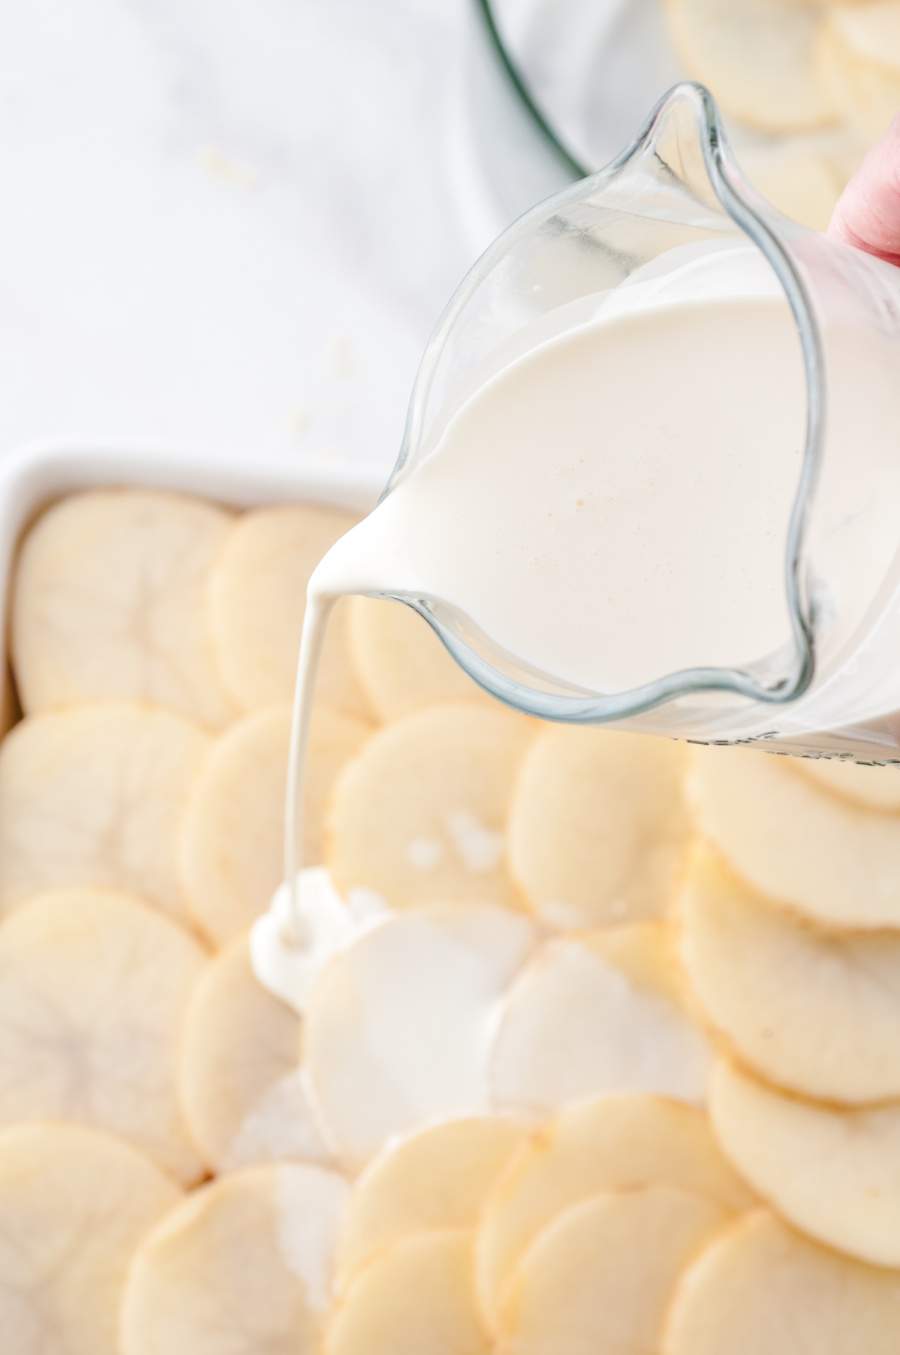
pixel 226 223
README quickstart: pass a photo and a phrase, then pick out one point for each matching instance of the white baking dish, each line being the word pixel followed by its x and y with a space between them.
pixel 41 472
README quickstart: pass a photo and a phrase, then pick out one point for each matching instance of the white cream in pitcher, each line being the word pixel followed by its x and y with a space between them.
pixel 613 505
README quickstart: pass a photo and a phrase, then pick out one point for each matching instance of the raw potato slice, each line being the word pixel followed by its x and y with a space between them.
pixel 328 921
pixel 240 1267
pixel 817 1012
pixel 232 846
pixel 431 1181
pixel 401 663
pixel 757 57
pixel 110 602
pixel 761 1289
pixel 9 706
pixel 258 598
pixel 611 1143
pixel 419 816
pixel 598 1280
pixel 872 787
pixel 243 1090
pixel 598 827
pixel 417 1299
pixel 397 1026
pixel 596 1015
pixel 833 861
pixel 74 1204
pixel 93 797
pixel 93 991
pixel 797 178
pixel 835 1174
pixel 858 62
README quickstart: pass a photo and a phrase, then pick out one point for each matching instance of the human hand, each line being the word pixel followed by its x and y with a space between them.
pixel 868 212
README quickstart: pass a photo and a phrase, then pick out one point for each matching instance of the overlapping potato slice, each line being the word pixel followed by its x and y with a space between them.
pixel 258 598
pixel 598 826
pixel 761 1289
pixel 803 175
pixel 815 1011
pixel 401 663
pixel 74 1204
pixel 871 787
pixel 243 1089
pixel 757 57
pixel 415 1299
pixel 243 1265
pixel 93 797
pixel 110 602
pixel 232 846
pixel 397 1027
pixel 611 1143
pixel 598 1279
pixel 9 705
pixel 832 860
pixel 431 1181
pixel 93 991
pixel 598 1014
pixel 858 56
pixel 307 923
pixel 834 1173
pixel 798 178
pixel 419 816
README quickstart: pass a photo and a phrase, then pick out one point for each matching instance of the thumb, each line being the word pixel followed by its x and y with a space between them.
pixel 867 215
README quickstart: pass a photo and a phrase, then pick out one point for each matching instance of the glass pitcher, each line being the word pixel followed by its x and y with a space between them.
pixel 833 687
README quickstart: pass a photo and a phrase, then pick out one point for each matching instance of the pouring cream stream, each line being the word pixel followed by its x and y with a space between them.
pixel 612 505
pixel 523 519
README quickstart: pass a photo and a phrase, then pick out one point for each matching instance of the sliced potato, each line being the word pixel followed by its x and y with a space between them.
pixel 9 703
pixel 93 991
pixel 242 1086
pixel 242 1266
pixel 430 1181
pixel 858 63
pixel 833 1173
pixel 258 598
pixel 93 797
pixel 646 954
pixel 871 27
pixel 419 816
pixel 815 1011
pixel 761 1289
pixel 596 1015
pixel 307 923
pixel 110 602
pixel 74 1205
pixel 232 846
pixel 397 1025
pixel 401 663
pixel 757 57
pixel 871 787
pixel 798 177
pixel 598 827
pixel 415 1299
pixel 598 1279
pixel 611 1143
pixel 834 861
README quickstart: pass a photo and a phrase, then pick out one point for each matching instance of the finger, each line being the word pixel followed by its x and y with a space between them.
pixel 868 212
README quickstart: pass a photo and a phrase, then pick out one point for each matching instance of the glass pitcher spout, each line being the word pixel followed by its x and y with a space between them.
pixel 671 226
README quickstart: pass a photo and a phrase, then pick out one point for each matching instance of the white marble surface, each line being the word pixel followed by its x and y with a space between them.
pixel 225 223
